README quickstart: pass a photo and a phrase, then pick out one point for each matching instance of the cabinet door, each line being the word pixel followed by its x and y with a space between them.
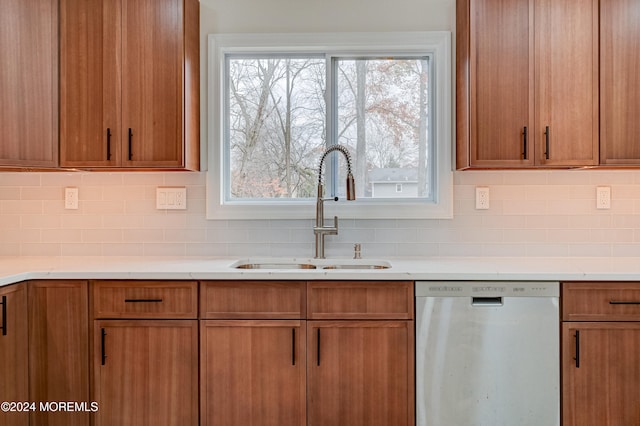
pixel 501 83
pixel 620 104
pixel 253 373
pixel 600 373
pixel 29 83
pixel 14 369
pixel 360 373
pixel 566 131
pixel 146 372
pixel 58 349
pixel 90 83
pixel 152 102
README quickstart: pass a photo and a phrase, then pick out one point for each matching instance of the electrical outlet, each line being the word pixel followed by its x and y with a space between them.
pixel 603 197
pixel 71 198
pixel 482 197
pixel 171 198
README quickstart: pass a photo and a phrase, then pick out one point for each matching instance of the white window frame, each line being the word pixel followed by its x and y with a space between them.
pixel 436 44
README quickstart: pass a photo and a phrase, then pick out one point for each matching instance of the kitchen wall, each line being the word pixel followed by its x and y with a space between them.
pixel 532 213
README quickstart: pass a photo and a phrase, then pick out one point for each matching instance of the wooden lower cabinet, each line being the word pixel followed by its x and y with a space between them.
pixel 44 352
pixel 146 372
pixel 601 373
pixel 360 373
pixel 59 351
pixel 14 367
pixel 600 353
pixel 253 373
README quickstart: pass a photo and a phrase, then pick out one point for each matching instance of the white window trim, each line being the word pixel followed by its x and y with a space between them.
pixel 436 43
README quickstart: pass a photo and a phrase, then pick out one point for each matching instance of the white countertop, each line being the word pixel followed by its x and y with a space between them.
pixel 16 269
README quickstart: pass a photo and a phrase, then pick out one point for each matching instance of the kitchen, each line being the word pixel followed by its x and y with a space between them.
pixel 545 221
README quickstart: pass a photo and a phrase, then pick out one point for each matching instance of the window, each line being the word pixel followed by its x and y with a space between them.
pixel 278 101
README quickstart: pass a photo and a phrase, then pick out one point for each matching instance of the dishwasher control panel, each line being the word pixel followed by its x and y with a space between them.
pixel 487 288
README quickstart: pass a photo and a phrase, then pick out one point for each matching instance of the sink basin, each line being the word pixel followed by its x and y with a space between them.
pixel 274 265
pixel 327 264
pixel 357 266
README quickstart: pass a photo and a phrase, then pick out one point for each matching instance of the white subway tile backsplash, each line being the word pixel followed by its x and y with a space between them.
pixel 20 179
pixel 61 236
pixel 36 221
pixel 102 235
pixel 41 249
pixel 82 249
pixel 21 207
pixel 533 213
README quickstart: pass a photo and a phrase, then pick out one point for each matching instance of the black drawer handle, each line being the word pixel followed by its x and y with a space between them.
pixel 143 300
pixel 4 315
pixel 524 143
pixel 623 302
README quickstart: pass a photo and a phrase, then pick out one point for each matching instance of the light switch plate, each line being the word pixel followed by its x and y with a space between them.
pixel 171 198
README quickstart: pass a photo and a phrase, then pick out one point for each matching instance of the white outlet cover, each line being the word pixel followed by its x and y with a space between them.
pixel 71 198
pixel 482 198
pixel 603 197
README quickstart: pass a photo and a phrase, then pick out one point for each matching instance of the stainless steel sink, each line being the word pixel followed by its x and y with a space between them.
pixel 276 265
pixel 357 266
pixel 326 264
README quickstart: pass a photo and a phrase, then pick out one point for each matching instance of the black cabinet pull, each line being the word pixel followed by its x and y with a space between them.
pixel 524 143
pixel 102 345
pixel 547 136
pixel 623 302
pixel 318 354
pixel 108 143
pixel 293 346
pixel 130 138
pixel 4 315
pixel 142 300
pixel 577 357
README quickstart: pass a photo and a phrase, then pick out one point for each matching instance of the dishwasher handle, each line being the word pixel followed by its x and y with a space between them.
pixel 486 301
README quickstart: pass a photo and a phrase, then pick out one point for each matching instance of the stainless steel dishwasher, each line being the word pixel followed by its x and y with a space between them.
pixel 487 353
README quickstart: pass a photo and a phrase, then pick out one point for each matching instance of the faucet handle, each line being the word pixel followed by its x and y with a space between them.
pixel 330 199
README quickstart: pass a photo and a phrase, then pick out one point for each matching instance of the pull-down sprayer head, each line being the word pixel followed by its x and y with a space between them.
pixel 351 186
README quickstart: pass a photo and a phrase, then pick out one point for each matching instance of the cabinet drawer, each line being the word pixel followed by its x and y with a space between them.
pixel 252 299
pixel 144 299
pixel 601 301
pixel 360 300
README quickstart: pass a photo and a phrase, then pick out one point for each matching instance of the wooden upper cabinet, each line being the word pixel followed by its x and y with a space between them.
pixel 501 82
pixel 527 83
pixel 89 83
pixel 29 83
pixel 619 83
pixel 567 102
pixel 130 84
